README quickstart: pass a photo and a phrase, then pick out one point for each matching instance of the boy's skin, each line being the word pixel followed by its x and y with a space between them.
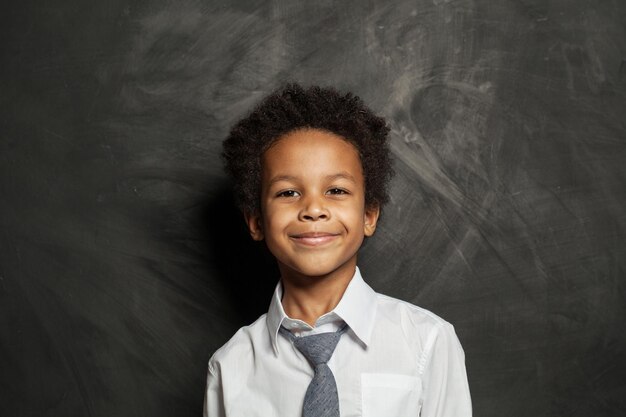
pixel 313 218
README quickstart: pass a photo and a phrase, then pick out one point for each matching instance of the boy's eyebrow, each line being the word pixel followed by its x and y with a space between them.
pixel 333 177
pixel 341 175
pixel 281 178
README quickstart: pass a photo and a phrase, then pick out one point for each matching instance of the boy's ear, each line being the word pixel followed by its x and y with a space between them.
pixel 370 219
pixel 253 220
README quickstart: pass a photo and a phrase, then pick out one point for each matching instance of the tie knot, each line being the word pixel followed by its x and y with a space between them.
pixel 318 348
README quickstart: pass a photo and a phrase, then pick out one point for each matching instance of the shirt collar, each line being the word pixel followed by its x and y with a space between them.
pixel 357 308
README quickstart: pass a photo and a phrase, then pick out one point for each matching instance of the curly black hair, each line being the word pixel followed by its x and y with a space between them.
pixel 292 108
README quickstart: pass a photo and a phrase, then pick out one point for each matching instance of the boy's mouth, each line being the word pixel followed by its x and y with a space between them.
pixel 313 238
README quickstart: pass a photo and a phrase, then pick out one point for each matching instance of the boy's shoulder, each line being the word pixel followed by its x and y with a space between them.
pixel 419 329
pixel 415 323
pixel 402 307
pixel 241 344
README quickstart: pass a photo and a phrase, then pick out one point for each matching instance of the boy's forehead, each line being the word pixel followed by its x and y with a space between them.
pixel 312 149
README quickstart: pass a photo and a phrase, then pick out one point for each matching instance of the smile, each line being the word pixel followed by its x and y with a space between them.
pixel 313 238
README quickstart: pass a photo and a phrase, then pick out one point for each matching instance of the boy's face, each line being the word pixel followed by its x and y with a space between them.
pixel 313 216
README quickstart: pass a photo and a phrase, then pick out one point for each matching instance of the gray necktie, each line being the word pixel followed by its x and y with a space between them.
pixel 321 399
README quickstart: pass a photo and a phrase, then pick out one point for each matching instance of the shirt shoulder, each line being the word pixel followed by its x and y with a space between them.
pixel 417 324
pixel 394 308
pixel 241 346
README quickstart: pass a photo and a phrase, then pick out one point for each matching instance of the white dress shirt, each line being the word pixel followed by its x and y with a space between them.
pixel 396 359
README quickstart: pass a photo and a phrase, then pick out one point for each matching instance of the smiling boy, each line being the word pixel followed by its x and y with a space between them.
pixel 310 168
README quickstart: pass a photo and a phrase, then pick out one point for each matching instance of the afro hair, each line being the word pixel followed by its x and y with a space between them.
pixel 294 108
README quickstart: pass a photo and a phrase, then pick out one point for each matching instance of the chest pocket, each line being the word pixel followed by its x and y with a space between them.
pixel 390 395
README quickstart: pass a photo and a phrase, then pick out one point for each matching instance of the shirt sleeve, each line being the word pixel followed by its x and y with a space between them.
pixel 446 391
pixel 214 396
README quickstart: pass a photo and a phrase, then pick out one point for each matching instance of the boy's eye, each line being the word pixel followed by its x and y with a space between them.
pixel 287 193
pixel 337 191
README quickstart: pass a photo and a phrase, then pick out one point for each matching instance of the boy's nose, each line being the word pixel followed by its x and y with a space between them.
pixel 314 209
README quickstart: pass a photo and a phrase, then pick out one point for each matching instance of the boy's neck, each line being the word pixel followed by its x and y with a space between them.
pixel 308 298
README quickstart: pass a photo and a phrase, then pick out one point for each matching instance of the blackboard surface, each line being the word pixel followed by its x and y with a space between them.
pixel 123 264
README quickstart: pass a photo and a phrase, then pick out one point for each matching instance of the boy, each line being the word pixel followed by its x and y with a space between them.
pixel 310 168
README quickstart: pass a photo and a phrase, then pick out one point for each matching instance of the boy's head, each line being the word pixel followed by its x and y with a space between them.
pixel 294 108
pixel 310 169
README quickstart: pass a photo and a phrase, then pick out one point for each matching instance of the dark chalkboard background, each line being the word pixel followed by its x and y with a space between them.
pixel 123 265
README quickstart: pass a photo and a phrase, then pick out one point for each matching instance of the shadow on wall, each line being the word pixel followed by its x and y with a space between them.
pixel 245 268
